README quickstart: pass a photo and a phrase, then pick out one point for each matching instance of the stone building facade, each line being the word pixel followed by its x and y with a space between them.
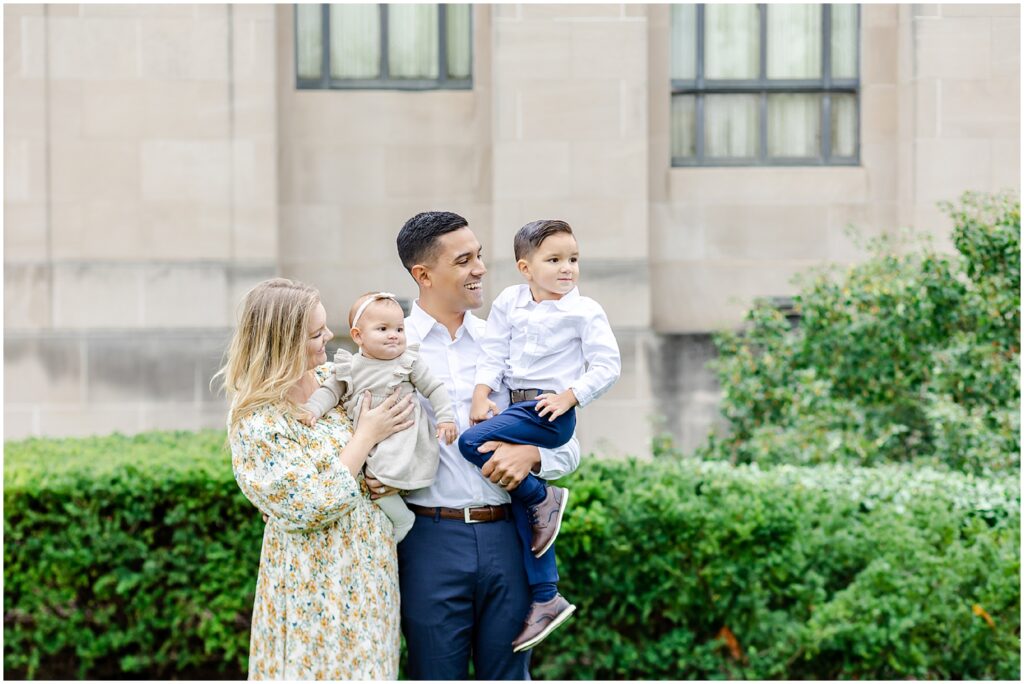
pixel 160 160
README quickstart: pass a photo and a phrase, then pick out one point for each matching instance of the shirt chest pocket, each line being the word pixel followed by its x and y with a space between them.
pixel 528 332
pixel 542 335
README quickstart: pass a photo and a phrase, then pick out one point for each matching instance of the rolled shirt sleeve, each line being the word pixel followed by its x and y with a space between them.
pixel 556 463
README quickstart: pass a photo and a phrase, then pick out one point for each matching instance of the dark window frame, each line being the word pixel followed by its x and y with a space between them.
pixel 763 86
pixel 327 82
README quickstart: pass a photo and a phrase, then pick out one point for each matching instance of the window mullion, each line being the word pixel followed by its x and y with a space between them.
pixel 826 45
pixel 856 43
pixel 325 39
pixel 762 77
pixel 826 126
pixel 700 47
pixel 762 28
pixel 826 67
pixel 762 150
pixel 384 66
pixel 857 100
pixel 699 101
pixel 699 132
pixel 442 43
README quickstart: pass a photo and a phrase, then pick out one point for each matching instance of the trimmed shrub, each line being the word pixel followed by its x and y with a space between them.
pixel 684 569
pixel 138 556
pixel 913 355
pixel 127 555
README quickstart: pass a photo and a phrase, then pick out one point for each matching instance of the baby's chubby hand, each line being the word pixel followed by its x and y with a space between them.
pixel 307 418
pixel 447 431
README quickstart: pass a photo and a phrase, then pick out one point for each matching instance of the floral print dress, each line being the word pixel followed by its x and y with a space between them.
pixel 327 603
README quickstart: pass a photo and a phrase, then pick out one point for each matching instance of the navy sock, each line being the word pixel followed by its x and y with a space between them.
pixel 544 591
pixel 531 496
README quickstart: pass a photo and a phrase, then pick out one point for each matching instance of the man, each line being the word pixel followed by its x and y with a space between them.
pixel 464 590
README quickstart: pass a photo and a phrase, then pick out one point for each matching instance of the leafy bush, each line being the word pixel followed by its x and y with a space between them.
pixel 685 569
pixel 127 556
pixel 139 556
pixel 913 355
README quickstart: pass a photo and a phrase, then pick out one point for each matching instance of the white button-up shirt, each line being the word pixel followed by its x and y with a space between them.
pixel 459 483
pixel 551 345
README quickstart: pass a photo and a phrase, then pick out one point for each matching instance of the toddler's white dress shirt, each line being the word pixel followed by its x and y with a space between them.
pixel 550 345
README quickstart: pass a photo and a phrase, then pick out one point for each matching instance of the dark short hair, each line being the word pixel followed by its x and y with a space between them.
pixel 530 236
pixel 417 241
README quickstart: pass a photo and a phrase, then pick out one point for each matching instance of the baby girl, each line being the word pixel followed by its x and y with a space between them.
pixel 407 459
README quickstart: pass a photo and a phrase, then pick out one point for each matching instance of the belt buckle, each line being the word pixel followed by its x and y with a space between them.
pixel 520 395
pixel 465 517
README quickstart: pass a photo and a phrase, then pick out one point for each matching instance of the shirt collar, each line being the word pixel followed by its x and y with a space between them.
pixel 423 323
pixel 564 304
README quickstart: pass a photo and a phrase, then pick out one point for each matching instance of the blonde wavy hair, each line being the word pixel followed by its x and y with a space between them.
pixel 267 355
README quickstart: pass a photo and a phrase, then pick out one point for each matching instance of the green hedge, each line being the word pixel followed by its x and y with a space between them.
pixel 810 572
pixel 127 555
pixel 138 556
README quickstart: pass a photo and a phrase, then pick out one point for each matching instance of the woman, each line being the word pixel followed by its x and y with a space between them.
pixel 327 593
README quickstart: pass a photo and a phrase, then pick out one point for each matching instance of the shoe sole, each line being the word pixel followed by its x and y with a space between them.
pixel 558 526
pixel 557 622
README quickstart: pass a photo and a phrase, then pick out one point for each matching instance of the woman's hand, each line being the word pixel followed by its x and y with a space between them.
pixel 393 415
pixel 378 489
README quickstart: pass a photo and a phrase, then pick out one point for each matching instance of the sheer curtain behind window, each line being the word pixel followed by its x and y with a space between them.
pixel 412 41
pixel 355 41
pixel 794 41
pixel 731 41
pixel 844 41
pixel 684 126
pixel 794 125
pixel 844 125
pixel 458 19
pixel 309 40
pixel 730 128
pixel 684 42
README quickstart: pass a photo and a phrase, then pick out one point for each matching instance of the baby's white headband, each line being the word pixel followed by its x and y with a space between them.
pixel 375 297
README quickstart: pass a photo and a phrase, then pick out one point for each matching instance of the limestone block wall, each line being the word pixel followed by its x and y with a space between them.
pixel 960 81
pixel 139 204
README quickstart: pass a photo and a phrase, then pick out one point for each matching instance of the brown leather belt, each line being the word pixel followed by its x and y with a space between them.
pixel 467 515
pixel 516 396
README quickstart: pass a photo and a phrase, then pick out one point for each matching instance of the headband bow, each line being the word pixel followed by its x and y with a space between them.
pixel 375 297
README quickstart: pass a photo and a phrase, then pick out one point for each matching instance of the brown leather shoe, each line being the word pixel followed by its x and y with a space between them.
pixel 542 620
pixel 546 519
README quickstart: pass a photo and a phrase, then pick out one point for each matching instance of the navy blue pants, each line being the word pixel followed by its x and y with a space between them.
pixel 520 424
pixel 464 595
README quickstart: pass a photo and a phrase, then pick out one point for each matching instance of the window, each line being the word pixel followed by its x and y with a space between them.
pixel 765 84
pixel 408 47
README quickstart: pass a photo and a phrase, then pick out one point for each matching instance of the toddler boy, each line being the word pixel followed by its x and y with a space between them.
pixel 555 350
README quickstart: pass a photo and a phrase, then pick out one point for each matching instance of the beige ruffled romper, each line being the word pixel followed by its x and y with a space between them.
pixel 407 459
